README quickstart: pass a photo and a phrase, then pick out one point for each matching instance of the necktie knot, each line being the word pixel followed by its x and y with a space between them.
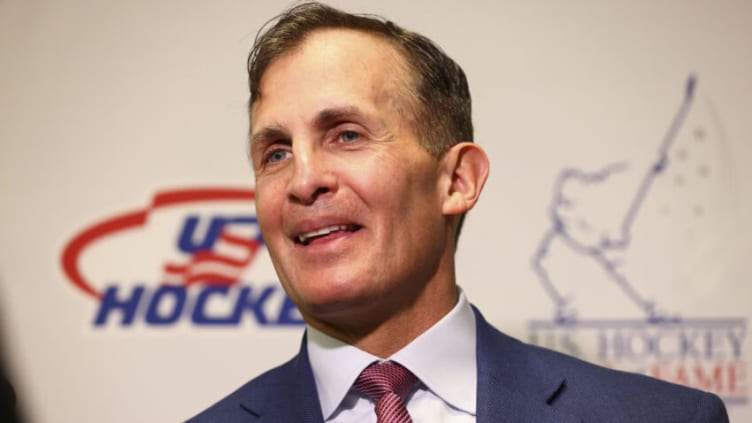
pixel 381 378
pixel 387 384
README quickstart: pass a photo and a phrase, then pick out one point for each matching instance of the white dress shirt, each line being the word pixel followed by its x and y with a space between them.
pixel 443 359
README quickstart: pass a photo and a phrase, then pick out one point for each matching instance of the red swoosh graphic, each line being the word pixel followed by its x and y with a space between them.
pixel 135 219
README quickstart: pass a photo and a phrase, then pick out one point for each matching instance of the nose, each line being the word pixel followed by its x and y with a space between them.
pixel 312 176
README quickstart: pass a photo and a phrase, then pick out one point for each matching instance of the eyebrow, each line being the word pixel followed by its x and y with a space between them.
pixel 323 119
pixel 274 131
pixel 333 115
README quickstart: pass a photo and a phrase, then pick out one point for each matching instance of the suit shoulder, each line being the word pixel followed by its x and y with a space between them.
pixel 591 392
pixel 232 407
pixel 602 392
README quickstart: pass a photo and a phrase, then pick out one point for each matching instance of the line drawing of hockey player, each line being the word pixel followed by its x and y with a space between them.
pixel 583 235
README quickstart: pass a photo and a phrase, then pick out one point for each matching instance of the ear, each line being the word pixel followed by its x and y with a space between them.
pixel 465 170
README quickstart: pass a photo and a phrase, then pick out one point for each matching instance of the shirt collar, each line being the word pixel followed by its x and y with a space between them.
pixel 335 366
pixel 443 358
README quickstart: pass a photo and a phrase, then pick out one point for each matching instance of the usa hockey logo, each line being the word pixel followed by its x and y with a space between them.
pixel 192 256
pixel 598 229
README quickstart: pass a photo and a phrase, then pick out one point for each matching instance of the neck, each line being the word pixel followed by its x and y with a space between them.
pixel 382 331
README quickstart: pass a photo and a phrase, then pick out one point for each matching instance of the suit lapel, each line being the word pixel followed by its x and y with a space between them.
pixel 496 403
pixel 511 385
pixel 290 396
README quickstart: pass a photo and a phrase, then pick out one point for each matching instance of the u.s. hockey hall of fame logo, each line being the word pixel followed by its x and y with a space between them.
pixel 584 263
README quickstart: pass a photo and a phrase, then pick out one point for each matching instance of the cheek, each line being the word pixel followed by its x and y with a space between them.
pixel 268 207
pixel 404 199
pixel 381 189
pixel 391 174
pixel 417 186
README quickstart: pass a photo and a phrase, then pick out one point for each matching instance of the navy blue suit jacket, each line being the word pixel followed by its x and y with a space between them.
pixel 516 383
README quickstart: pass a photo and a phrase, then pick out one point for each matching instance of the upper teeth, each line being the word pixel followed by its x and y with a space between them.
pixel 304 238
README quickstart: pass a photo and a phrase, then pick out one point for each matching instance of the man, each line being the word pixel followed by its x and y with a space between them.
pixel 361 147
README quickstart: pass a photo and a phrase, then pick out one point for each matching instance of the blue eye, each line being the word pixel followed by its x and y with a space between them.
pixel 349 136
pixel 276 156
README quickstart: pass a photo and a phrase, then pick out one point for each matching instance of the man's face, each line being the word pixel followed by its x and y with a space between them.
pixel 348 201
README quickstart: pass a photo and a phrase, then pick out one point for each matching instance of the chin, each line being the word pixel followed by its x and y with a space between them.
pixel 338 300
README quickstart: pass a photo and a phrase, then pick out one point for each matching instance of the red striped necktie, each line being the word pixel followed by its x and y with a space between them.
pixel 388 384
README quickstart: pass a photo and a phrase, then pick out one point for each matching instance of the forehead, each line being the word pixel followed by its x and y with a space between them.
pixel 333 65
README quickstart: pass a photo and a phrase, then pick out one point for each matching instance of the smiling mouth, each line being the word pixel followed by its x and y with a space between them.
pixel 306 238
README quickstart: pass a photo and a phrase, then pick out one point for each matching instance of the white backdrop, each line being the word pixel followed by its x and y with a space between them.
pixel 105 105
